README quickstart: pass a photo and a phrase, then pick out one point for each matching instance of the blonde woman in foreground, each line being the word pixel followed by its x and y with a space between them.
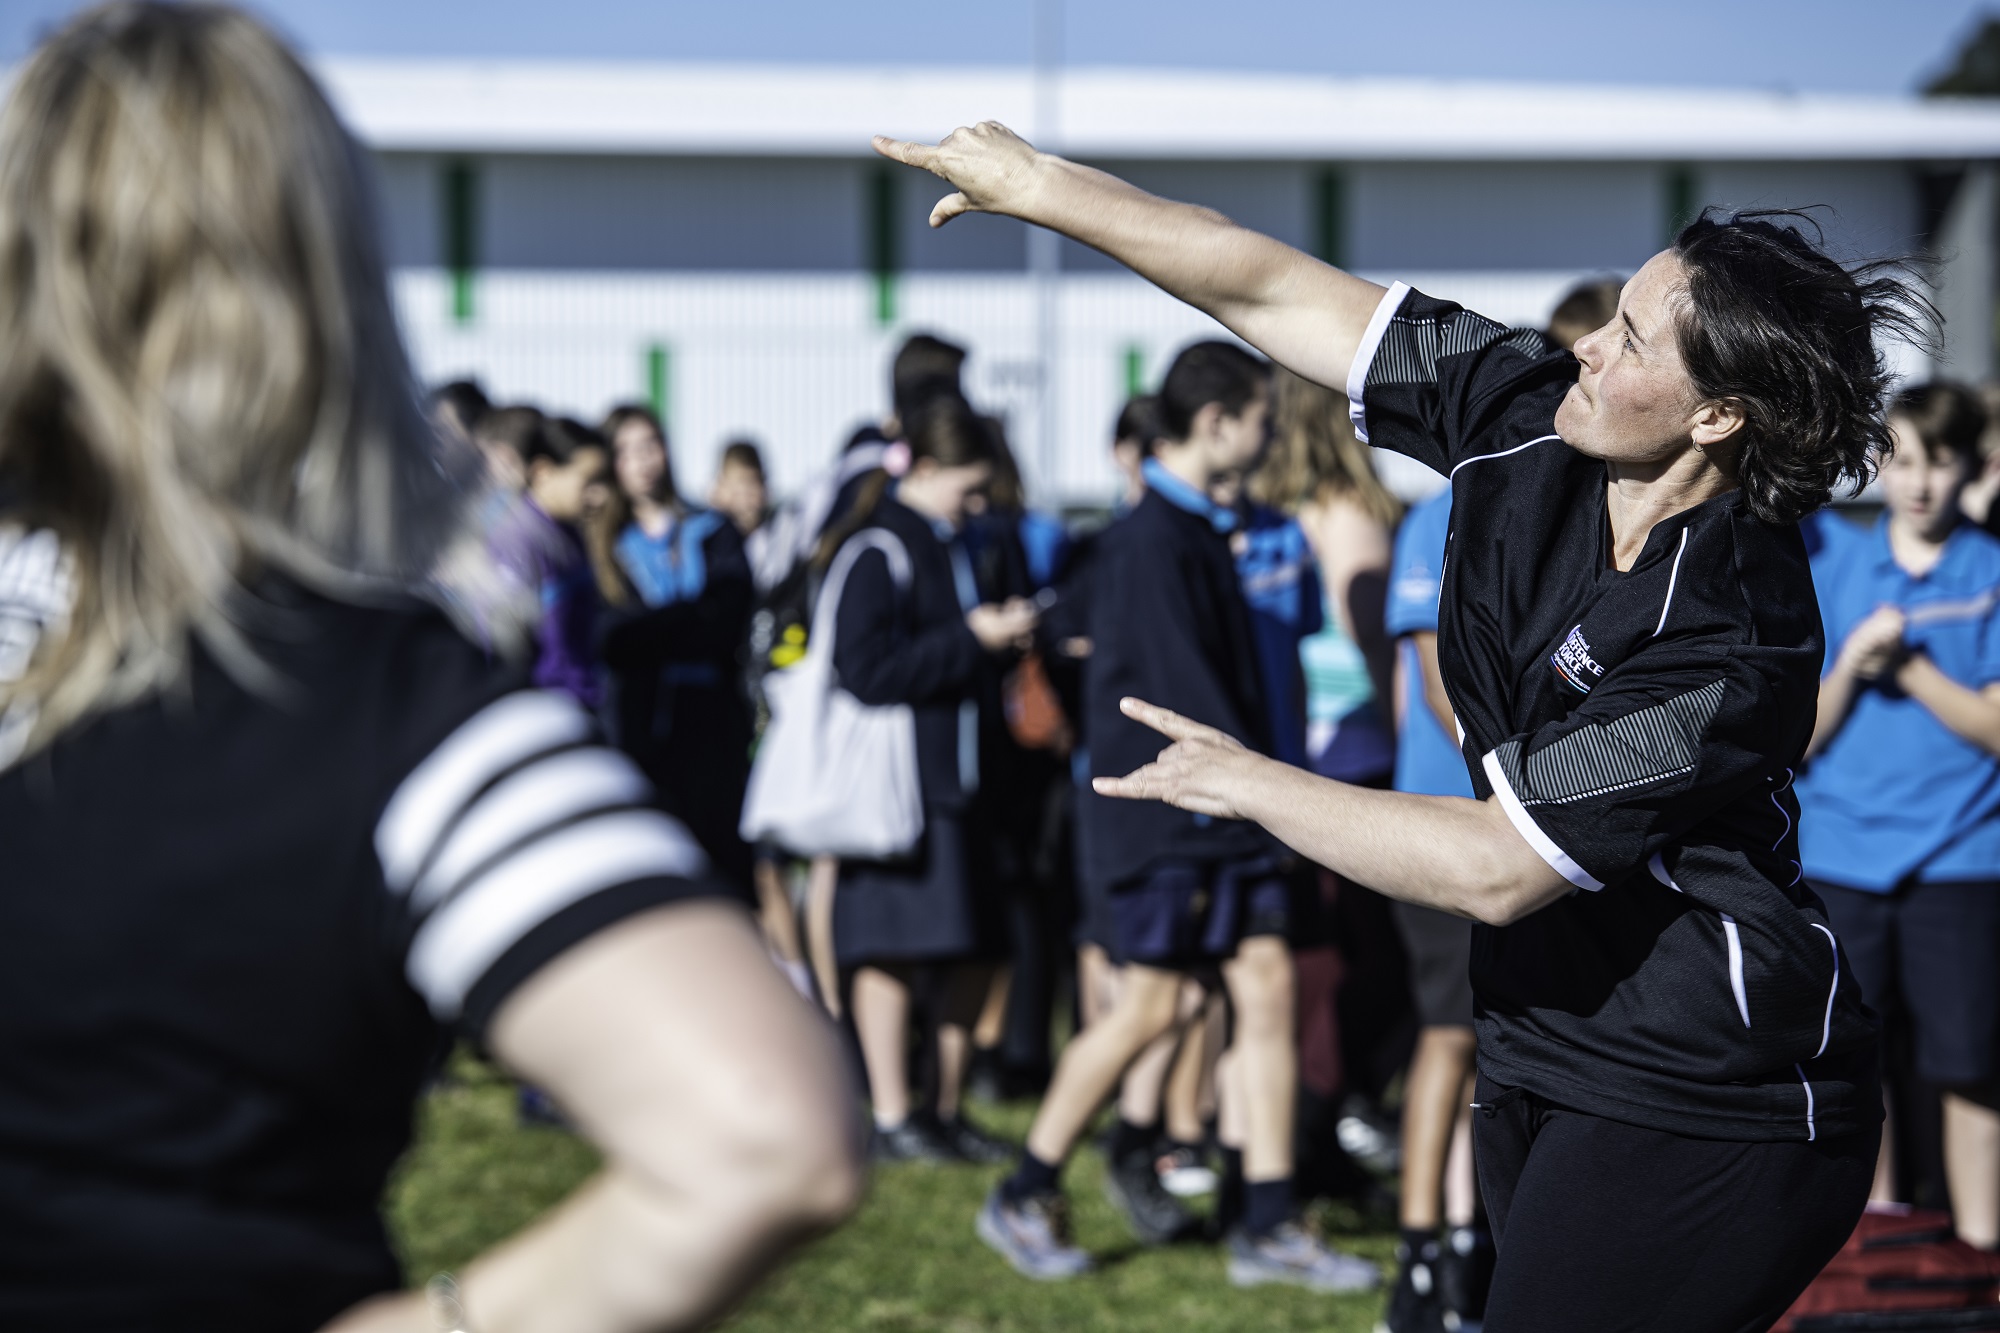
pixel 276 830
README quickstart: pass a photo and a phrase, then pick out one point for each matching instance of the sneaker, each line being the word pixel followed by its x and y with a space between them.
pixel 1183 1173
pixel 1369 1137
pixel 1294 1256
pixel 969 1143
pixel 1032 1235
pixel 1465 1272
pixel 915 1140
pixel 1133 1187
pixel 1415 1302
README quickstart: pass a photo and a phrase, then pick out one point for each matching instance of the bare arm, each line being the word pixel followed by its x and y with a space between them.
pixel 1300 312
pixel 1969 713
pixel 727 1124
pixel 1426 642
pixel 1457 855
pixel 1354 552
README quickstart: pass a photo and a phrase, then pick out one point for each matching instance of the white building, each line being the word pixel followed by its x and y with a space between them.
pixel 719 238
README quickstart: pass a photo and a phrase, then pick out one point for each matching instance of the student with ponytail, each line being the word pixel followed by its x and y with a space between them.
pixel 921 927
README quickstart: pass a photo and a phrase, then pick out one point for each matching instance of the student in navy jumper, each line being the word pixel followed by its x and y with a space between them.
pixel 1678 1078
pixel 1185 895
pixel 675 639
pixel 925 921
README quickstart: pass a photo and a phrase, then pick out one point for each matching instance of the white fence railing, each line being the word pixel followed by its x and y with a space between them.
pixel 796 361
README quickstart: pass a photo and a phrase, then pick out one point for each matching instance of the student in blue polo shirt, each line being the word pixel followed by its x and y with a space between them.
pixel 1900 804
pixel 1431 1277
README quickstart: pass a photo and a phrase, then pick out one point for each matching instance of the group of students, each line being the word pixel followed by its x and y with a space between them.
pixel 1724 787
pixel 1302 606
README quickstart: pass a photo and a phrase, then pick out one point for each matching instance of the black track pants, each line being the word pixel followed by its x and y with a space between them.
pixel 1603 1227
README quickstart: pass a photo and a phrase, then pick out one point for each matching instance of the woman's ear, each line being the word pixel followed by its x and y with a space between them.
pixel 1717 421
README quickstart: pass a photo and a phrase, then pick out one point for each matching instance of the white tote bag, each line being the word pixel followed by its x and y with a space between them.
pixel 835 776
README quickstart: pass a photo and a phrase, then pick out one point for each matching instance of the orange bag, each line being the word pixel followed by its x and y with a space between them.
pixel 1035 715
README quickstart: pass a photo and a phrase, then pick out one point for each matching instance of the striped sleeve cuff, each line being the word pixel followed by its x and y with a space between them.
pixel 517 818
pixel 1524 824
pixel 1364 355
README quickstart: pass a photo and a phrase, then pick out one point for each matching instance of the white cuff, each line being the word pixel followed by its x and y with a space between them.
pixel 1525 825
pixel 1364 355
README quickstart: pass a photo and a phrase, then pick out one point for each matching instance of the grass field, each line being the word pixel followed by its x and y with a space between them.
pixel 906 1263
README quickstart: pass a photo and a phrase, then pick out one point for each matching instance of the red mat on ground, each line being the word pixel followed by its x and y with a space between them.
pixel 1902 1269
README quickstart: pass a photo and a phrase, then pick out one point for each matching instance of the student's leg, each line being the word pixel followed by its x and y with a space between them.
pixel 1092 1064
pixel 1142 1090
pixel 1604 1225
pixel 990 1022
pixel 778 920
pixel 1260 980
pixel 1972 1165
pixel 1096 982
pixel 821 879
pixel 1432 1100
pixel 1866 925
pixel 963 992
pixel 882 1023
pixel 1194 1065
pixel 1143 1095
pixel 1461 1182
pixel 1950 935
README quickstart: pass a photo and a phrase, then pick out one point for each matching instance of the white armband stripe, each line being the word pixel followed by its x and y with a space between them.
pixel 1524 824
pixel 500 735
pixel 1364 355
pixel 464 937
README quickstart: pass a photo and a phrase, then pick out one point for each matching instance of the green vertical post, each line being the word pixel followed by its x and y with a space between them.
pixel 883 196
pixel 1679 195
pixel 659 380
pixel 1330 216
pixel 461 235
pixel 1135 370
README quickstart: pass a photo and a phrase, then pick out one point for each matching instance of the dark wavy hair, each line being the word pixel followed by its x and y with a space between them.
pixel 1775 324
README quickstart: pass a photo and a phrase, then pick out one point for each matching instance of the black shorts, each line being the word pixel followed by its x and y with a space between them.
pixel 1933 952
pixel 1603 1225
pixel 1440 949
pixel 1183 914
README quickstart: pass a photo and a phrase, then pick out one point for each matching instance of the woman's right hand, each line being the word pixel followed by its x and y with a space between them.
pixel 1004 626
pixel 989 166
pixel 1875 645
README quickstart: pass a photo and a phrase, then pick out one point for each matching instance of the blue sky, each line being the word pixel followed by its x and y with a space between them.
pixel 1830 45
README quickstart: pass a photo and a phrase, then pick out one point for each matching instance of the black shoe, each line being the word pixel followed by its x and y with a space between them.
pixel 967 1142
pixel 915 1140
pixel 985 1080
pixel 1465 1271
pixel 1415 1303
pixel 1133 1186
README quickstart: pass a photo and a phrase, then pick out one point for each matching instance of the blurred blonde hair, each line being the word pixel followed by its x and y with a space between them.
pixel 1314 456
pixel 201 376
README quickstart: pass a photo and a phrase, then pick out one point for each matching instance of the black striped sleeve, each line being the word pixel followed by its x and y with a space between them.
pixel 1661 743
pixel 513 839
pixel 1445 385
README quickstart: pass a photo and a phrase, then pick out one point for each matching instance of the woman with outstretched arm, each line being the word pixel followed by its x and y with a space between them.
pixel 1678 1107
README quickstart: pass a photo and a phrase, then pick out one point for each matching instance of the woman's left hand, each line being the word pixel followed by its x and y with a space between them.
pixel 1204 770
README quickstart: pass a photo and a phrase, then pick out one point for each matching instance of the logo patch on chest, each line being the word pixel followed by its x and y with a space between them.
pixel 1574 663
